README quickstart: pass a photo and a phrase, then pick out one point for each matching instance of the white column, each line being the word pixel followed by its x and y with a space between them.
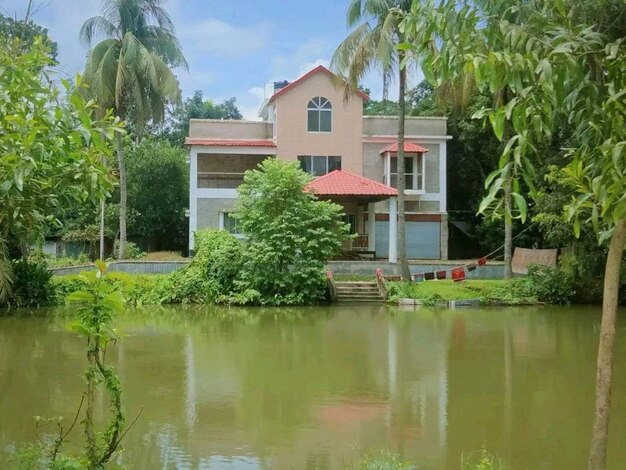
pixel 193 193
pixel 371 226
pixel 443 177
pixel 388 168
pixel 360 225
pixel 393 230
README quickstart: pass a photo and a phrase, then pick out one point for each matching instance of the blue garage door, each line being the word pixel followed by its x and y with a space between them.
pixel 422 239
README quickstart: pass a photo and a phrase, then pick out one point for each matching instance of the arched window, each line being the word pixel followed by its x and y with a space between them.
pixel 320 115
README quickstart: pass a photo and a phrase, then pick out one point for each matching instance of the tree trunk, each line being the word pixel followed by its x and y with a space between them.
pixel 102 229
pixel 508 230
pixel 90 434
pixel 404 264
pixel 123 195
pixel 385 85
pixel 604 371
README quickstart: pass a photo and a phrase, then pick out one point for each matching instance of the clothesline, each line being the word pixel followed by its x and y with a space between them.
pixel 459 273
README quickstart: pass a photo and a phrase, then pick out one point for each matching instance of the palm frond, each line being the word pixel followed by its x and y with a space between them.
pixel 97 27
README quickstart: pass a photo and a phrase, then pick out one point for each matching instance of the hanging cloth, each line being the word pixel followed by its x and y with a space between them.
pixel 482 261
pixel 471 267
pixel 441 275
pixel 429 276
pixel 418 277
pixel 458 274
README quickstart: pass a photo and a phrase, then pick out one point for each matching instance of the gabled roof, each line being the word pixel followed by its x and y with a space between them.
pixel 343 183
pixel 408 148
pixel 230 143
pixel 319 68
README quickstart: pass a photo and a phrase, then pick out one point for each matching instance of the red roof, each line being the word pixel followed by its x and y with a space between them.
pixel 319 68
pixel 229 143
pixel 409 147
pixel 343 183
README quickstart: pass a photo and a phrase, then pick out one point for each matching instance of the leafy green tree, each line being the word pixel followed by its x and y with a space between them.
pixel 129 70
pixel 555 68
pixel 158 188
pixel 176 128
pixel 375 40
pixel 26 31
pixel 290 234
pixel 51 148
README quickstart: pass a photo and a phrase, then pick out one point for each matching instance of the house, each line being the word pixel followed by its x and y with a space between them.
pixel 353 157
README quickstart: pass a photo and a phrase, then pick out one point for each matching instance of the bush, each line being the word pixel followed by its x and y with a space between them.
pixel 131 251
pixel 550 285
pixel 218 256
pixel 31 284
pixel 290 235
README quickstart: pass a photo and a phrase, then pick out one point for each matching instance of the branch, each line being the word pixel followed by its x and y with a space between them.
pixel 61 438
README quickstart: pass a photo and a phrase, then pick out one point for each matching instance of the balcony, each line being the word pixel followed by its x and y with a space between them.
pixel 414 182
pixel 219 180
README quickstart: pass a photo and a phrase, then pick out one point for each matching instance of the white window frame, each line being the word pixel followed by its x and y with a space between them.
pixel 319 109
pixel 415 157
pixel 222 225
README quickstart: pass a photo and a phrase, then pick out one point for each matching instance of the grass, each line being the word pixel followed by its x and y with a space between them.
pixel 164 256
pixel 510 292
pixel 354 277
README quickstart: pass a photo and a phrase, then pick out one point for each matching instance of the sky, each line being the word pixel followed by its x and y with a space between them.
pixel 233 47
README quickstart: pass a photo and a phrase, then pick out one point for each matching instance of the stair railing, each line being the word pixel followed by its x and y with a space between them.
pixel 382 284
pixel 332 287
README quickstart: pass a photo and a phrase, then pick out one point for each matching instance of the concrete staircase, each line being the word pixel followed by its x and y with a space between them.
pixel 361 291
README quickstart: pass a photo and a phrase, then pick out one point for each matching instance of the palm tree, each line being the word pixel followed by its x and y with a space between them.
pixel 372 43
pixel 129 70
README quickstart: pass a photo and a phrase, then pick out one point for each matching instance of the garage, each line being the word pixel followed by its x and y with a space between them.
pixel 423 239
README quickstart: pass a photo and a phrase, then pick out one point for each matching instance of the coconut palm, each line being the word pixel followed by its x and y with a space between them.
pixel 129 71
pixel 372 43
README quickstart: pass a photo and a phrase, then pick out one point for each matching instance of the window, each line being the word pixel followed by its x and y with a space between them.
pixel 350 219
pixel 318 165
pixel 229 223
pixel 413 173
pixel 319 115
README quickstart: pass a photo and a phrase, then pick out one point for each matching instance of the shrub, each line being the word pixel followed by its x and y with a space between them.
pixel 31 284
pixel 131 251
pixel 382 460
pixel 290 235
pixel 550 285
pixel 218 257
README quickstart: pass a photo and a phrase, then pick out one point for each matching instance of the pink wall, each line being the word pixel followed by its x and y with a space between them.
pixel 345 140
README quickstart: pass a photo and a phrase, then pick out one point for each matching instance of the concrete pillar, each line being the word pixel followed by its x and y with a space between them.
pixel 371 226
pixel 360 225
pixel 193 195
pixel 393 230
pixel 444 237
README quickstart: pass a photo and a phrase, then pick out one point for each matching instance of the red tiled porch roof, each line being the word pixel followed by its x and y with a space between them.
pixel 343 183
pixel 229 143
pixel 409 147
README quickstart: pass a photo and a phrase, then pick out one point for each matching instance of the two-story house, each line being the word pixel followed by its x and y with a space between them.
pixel 352 156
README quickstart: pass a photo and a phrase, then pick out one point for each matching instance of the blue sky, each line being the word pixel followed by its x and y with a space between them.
pixel 233 47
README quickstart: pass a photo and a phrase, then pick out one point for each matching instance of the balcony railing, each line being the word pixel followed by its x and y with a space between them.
pixel 412 183
pixel 219 180
pixel 360 242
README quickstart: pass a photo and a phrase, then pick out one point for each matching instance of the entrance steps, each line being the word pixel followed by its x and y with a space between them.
pixel 361 291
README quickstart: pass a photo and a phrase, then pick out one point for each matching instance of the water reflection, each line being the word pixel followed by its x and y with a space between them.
pixel 313 387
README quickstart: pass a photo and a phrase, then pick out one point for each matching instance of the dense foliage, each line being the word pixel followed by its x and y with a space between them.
pixel 26 31
pixel 290 234
pixel 176 127
pixel 158 192
pixel 31 285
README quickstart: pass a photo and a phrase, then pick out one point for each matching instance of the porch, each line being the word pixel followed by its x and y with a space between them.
pixel 358 196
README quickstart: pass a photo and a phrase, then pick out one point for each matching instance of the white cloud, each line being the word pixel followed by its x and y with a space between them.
pixel 218 38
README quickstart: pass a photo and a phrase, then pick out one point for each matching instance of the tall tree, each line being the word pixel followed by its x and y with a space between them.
pixel 51 149
pixel 374 41
pixel 26 31
pixel 129 70
pixel 555 68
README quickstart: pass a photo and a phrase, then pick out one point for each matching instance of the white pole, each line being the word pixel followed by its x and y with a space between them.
pixel 371 226
pixel 393 230
pixel 102 229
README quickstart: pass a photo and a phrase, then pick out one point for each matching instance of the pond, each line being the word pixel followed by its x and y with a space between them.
pixel 315 387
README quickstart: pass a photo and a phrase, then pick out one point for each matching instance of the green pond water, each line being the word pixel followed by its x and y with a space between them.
pixel 313 388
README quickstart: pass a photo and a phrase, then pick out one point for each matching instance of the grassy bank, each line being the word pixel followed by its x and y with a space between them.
pixel 490 292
